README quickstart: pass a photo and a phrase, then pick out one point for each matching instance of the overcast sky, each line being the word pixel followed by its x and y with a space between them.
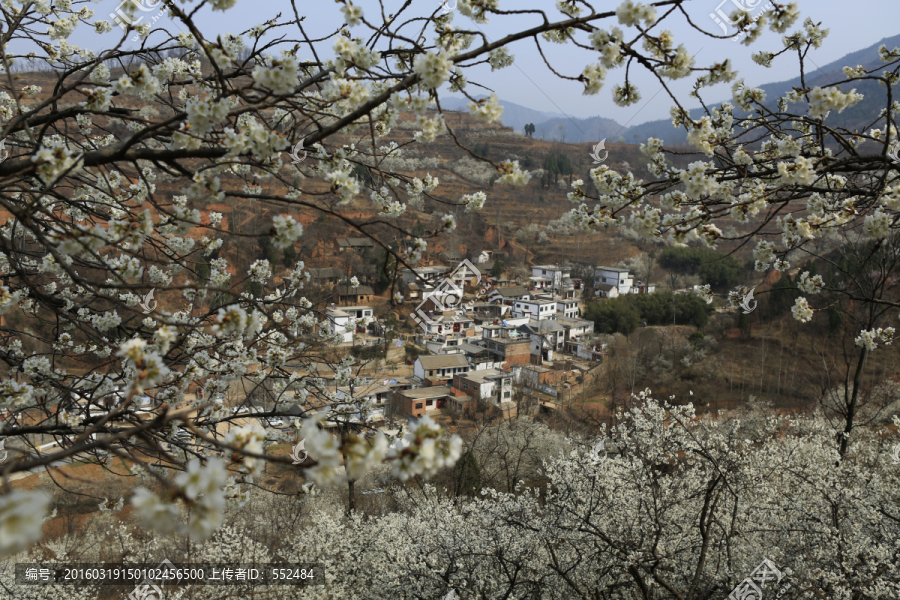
pixel 853 26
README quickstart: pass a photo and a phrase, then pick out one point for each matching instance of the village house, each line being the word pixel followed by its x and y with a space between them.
pixel 338 323
pixel 480 357
pixel 373 396
pixel 538 309
pixel 363 314
pixel 621 279
pixel 355 296
pixel 552 277
pixel 432 274
pixel 507 345
pixel 326 275
pixel 510 294
pixel 440 368
pixel 355 244
pixel 490 384
pixel 418 402
pixel 546 338
pixel 567 307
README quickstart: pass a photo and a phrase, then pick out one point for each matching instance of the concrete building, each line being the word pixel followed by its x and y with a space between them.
pixel 567 307
pixel 509 294
pixel 440 368
pixel 420 401
pixel 546 337
pixel 364 314
pixel 491 385
pixel 355 244
pixel 339 323
pixel 508 345
pixel 538 309
pixel 620 278
pixel 371 398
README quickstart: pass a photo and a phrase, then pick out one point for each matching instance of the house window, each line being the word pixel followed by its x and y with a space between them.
pixel 418 406
pixel 429 402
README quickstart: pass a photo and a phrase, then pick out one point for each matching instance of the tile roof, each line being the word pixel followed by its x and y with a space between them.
pixel 443 362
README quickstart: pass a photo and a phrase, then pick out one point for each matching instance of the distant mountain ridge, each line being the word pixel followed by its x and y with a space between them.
pixel 514 115
pixel 858 117
pixel 556 126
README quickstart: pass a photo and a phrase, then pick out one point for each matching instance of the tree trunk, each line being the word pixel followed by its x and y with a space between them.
pixel 852 401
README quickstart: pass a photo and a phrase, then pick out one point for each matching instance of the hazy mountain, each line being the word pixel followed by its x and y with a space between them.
pixel 858 117
pixel 514 115
pixel 592 129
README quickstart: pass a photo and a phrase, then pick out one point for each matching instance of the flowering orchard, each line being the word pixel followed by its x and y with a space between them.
pixel 676 506
pixel 111 170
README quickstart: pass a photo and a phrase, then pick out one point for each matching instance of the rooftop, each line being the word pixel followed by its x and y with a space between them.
pixel 360 290
pixel 485 375
pixel 435 391
pixel 355 242
pixel 512 291
pixel 365 390
pixel 613 269
pixel 541 327
pixel 443 362
pixel 326 273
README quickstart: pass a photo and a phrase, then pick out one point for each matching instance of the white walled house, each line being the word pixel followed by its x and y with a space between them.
pixel 538 309
pixel 555 274
pixel 374 395
pixel 567 307
pixel 489 384
pixel 643 288
pixel 619 278
pixel 363 314
pixel 546 337
pixel 339 323
pixel 576 328
pixel 440 367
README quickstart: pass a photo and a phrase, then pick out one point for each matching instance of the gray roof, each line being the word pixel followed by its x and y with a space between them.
pixel 435 391
pixel 326 273
pixel 356 242
pixel 471 348
pixel 513 291
pixel 443 362
pixel 615 269
pixel 361 290
pixel 541 327
pixel 572 322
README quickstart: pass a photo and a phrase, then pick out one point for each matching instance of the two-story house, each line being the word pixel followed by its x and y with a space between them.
pixel 538 309
pixel 546 337
pixel 554 276
pixel 621 279
pixel 490 384
pixel 567 307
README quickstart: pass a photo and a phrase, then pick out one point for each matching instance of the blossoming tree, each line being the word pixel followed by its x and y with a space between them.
pixel 90 232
